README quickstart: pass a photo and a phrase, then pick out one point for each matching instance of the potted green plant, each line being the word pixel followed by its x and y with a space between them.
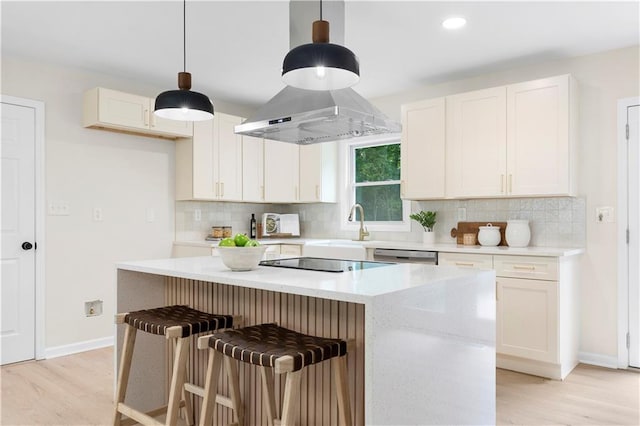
pixel 427 220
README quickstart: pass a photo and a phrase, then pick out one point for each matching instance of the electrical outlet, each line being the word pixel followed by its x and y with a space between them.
pixel 197 215
pixel 462 214
pixel 93 308
pixel 97 214
pixel 151 215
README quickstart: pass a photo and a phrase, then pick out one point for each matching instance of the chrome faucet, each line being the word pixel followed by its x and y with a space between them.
pixel 363 231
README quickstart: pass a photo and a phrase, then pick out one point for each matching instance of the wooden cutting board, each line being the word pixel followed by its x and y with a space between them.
pixel 473 228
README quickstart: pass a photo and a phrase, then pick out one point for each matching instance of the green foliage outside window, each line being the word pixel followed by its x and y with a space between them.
pixel 379 164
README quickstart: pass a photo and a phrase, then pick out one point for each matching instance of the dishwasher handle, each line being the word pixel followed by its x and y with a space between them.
pixel 416 256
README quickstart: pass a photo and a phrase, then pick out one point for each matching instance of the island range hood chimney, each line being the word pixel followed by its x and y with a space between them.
pixel 310 116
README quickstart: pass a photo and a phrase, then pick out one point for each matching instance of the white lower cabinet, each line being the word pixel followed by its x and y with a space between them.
pixel 536 310
pixel 527 318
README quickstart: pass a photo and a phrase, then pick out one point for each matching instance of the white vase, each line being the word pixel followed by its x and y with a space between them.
pixel 428 237
pixel 518 233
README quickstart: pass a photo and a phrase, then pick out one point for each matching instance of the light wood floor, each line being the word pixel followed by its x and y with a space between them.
pixel 77 390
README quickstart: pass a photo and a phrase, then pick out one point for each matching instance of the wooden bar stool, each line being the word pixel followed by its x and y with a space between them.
pixel 275 350
pixel 173 322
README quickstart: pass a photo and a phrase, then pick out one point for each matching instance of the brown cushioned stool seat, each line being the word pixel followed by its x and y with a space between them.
pixel 176 323
pixel 277 350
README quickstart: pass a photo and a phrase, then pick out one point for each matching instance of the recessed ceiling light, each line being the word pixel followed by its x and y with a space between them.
pixel 454 23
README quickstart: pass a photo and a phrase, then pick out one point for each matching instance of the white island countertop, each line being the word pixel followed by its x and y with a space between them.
pixel 353 286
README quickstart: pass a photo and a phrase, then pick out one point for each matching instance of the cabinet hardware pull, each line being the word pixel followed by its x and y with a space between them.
pixel 464 264
pixel 146 117
pixel 510 183
pixel 525 267
pixel 217 188
pixel 502 184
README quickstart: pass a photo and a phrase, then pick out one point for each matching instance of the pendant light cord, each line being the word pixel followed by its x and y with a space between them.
pixel 320 10
pixel 184 35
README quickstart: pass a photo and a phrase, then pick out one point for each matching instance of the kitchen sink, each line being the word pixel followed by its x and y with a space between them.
pixel 335 249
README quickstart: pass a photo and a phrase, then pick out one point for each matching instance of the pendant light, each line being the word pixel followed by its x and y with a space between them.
pixel 184 104
pixel 320 65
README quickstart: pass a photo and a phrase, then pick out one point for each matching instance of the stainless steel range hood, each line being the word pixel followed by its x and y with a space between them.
pixel 309 116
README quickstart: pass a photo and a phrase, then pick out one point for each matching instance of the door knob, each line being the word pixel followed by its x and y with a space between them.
pixel 27 245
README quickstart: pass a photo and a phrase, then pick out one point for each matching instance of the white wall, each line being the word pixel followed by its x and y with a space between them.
pixel 603 79
pixel 123 174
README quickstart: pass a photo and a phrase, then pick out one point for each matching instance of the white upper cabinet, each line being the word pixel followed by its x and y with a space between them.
pixel 252 169
pixel 516 140
pixel 318 172
pixel 423 150
pixel 111 109
pixel 476 143
pixel 209 166
pixel 539 145
pixel 281 172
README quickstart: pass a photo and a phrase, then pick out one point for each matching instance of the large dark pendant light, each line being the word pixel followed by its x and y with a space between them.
pixel 320 65
pixel 184 104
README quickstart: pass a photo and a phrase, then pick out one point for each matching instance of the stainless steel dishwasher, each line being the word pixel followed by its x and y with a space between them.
pixel 405 256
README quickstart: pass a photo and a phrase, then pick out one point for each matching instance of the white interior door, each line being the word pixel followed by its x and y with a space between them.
pixel 633 122
pixel 17 334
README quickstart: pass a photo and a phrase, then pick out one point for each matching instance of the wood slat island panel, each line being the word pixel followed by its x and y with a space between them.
pixel 310 315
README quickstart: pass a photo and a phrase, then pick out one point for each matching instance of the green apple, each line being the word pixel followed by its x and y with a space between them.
pixel 252 243
pixel 240 239
pixel 227 242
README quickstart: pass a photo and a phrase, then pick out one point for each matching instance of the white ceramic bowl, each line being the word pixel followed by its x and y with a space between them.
pixel 241 258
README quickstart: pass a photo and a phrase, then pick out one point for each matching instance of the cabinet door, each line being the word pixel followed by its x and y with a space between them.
pixel 123 109
pixel 476 143
pixel 526 320
pixel 252 169
pixel 538 137
pixel 281 171
pixel 203 160
pixel 168 127
pixel 423 149
pixel 318 172
pixel 229 157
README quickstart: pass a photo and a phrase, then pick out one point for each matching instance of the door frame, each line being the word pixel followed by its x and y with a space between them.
pixel 623 261
pixel 40 218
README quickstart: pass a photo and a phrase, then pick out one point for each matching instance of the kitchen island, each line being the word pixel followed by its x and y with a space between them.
pixel 424 336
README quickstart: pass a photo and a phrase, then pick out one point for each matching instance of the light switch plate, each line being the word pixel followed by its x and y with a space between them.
pixel 604 214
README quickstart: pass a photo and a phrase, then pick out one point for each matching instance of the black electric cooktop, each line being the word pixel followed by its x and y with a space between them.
pixel 324 265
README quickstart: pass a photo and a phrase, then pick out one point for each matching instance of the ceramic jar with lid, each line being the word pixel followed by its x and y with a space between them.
pixel 489 235
pixel 518 233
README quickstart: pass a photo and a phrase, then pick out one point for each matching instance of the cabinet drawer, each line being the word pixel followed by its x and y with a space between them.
pixel 464 260
pixel 290 249
pixel 537 268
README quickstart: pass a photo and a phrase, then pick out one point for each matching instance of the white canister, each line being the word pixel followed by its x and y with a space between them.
pixel 489 235
pixel 518 233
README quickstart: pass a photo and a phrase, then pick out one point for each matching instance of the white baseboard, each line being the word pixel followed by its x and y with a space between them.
pixel 598 359
pixel 74 348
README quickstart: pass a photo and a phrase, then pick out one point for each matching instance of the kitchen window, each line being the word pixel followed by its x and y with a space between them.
pixel 373 181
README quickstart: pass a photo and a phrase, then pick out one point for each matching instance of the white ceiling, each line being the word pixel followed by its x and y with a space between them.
pixel 235 48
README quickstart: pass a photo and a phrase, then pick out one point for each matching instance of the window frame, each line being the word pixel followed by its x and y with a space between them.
pixel 347 159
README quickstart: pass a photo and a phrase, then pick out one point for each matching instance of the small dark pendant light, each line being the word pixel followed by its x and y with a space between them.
pixel 184 104
pixel 320 65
